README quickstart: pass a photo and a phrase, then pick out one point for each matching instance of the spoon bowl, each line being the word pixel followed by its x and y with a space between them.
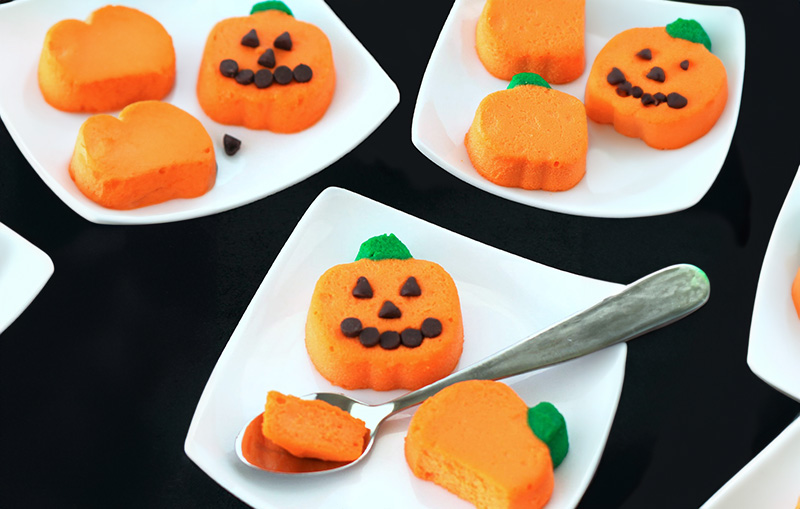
pixel 652 302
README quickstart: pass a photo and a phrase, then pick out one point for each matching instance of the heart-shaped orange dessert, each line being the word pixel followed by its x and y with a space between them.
pixel 118 56
pixel 474 439
pixel 153 153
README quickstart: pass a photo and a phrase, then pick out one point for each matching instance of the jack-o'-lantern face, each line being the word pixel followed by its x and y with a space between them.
pixel 267 70
pixel 384 321
pixel 651 82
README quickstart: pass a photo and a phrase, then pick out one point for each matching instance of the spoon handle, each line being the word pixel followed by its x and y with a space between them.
pixel 652 302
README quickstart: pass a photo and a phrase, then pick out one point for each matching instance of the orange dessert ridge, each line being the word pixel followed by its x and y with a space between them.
pixel 118 56
pixel 796 292
pixel 473 439
pixel 665 89
pixel 251 78
pixel 152 153
pixel 541 36
pixel 313 428
pixel 366 329
pixel 529 136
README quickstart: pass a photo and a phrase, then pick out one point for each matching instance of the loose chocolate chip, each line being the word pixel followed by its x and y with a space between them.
pixel 369 337
pixel 250 39
pixel 283 41
pixel 389 310
pixel 657 74
pixel 624 89
pixel 267 59
pixel 615 77
pixel 245 77
pixel 283 75
pixel 431 327
pixel 676 100
pixel 659 97
pixel 647 99
pixel 228 68
pixel 231 144
pixel 362 290
pixel 635 91
pixel 351 327
pixel 263 78
pixel 685 65
pixel 645 54
pixel 411 338
pixel 390 340
pixel 410 288
pixel 302 73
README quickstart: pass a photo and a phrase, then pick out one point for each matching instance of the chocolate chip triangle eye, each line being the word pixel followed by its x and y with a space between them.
pixel 645 54
pixel 389 310
pixel 283 41
pixel 250 39
pixel 362 290
pixel 410 288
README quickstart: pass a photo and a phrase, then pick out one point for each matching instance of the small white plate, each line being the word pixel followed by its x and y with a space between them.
pixel 771 479
pixel 266 163
pixel 504 298
pixel 624 177
pixel 24 270
pixel 773 351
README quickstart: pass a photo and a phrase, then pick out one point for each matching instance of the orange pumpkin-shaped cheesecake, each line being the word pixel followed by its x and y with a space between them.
pixel 152 153
pixel 479 440
pixel 529 136
pixel 118 56
pixel 541 36
pixel 266 71
pixel 660 84
pixel 385 321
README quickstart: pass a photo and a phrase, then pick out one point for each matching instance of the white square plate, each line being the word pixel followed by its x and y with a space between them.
pixel 769 480
pixel 503 298
pixel 266 163
pixel 624 177
pixel 24 269
pixel 773 351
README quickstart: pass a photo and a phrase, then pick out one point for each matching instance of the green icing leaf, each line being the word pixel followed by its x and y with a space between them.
pixel 528 78
pixel 271 5
pixel 690 30
pixel 383 247
pixel 549 425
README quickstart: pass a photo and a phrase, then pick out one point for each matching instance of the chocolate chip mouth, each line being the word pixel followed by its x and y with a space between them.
pixel 625 89
pixel 389 339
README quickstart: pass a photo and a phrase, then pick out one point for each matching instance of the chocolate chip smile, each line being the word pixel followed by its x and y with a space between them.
pixel 389 340
pixel 625 89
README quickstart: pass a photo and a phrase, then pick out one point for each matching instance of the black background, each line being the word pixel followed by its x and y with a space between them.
pixel 100 376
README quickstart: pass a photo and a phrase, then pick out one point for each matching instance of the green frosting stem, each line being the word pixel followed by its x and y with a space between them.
pixel 528 78
pixel 271 5
pixel 690 30
pixel 549 425
pixel 383 247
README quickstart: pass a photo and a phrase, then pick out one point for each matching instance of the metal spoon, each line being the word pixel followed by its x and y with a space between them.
pixel 652 302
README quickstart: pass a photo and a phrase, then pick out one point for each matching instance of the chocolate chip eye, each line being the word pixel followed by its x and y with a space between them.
pixel 283 41
pixel 410 288
pixel 685 65
pixel 250 39
pixel 645 54
pixel 362 290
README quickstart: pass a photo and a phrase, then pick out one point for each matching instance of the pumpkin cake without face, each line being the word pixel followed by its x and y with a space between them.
pixel 660 84
pixel 117 57
pixel 479 440
pixel 152 153
pixel 385 321
pixel 529 136
pixel 266 71
pixel 541 36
